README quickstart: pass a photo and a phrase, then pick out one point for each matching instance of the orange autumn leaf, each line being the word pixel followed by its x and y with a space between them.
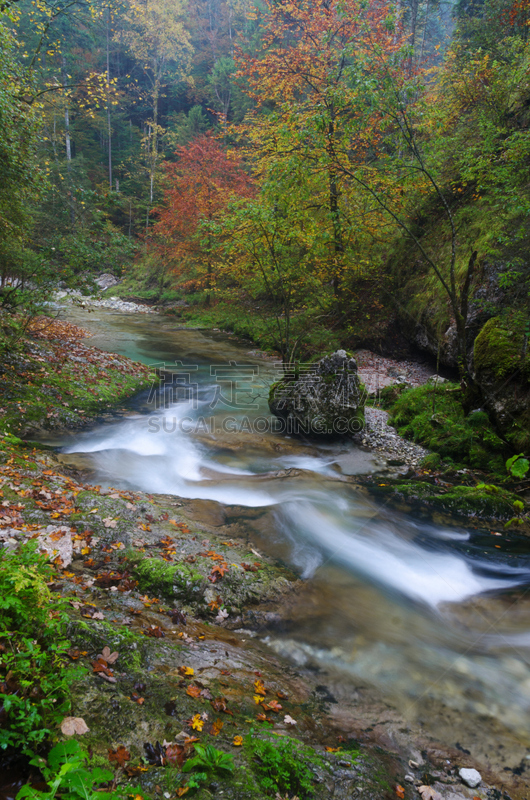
pixel 400 791
pixel 120 755
pixel 193 691
pixel 259 687
pixel 273 706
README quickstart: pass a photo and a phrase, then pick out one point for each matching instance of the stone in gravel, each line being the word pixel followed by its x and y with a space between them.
pixel 470 777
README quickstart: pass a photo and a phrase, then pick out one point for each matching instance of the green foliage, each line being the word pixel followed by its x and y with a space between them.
pixel 34 678
pixel 208 762
pixel 470 440
pixel 282 768
pixel 518 466
pixel 68 778
pixel 209 759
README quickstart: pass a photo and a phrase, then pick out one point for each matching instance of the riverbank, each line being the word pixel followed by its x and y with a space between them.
pixel 53 380
pixel 168 616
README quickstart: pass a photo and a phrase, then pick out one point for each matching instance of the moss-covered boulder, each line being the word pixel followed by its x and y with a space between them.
pixel 322 399
pixel 502 370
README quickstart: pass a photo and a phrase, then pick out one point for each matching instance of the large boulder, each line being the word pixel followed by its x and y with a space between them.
pixel 502 370
pixel 325 398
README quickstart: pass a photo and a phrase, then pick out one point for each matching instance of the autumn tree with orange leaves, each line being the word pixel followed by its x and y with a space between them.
pixel 198 186
pixel 303 82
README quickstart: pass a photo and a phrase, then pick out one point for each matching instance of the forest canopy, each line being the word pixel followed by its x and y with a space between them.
pixel 276 163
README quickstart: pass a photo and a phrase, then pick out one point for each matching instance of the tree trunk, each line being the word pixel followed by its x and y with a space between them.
pixel 109 127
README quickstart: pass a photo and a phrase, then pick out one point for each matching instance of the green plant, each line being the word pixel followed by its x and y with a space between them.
pixel 518 466
pixel 281 768
pixel 67 776
pixel 208 760
pixel 34 678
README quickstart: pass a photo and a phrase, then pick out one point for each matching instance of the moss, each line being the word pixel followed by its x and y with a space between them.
pixel 483 500
pixel 472 501
pixel 499 347
pixel 447 431
pixel 177 580
pixel 432 461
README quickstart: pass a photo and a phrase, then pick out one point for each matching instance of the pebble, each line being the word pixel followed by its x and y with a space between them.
pixel 380 436
pixel 470 777
pixel 376 371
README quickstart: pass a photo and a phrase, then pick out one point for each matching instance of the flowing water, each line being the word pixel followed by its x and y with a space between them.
pixel 425 612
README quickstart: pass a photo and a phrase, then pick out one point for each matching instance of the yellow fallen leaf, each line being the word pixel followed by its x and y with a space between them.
pixel 238 741
pixel 197 723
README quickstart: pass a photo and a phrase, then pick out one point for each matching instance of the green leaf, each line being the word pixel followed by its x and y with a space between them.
pixel 518 466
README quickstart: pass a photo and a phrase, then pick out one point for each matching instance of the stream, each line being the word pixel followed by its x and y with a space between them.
pixel 433 616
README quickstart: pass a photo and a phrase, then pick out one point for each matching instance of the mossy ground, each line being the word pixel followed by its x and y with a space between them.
pixel 434 417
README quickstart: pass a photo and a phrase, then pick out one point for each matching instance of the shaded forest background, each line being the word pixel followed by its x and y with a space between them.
pixel 311 173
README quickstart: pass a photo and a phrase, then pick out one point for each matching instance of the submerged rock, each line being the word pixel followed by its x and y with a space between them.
pixel 321 399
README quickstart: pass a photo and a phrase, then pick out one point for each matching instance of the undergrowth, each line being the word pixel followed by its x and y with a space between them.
pixel 34 675
pixel 282 768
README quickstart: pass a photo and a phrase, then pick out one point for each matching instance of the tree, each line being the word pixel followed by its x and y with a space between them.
pixel 302 83
pixel 197 187
pixel 271 254
pixel 158 41
pixel 21 178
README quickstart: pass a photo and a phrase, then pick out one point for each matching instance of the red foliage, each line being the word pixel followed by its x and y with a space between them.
pixel 198 186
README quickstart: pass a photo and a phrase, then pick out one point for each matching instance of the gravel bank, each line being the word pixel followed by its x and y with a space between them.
pixel 113 303
pixel 378 435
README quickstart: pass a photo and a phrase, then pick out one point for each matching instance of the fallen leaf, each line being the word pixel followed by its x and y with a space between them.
pixel 109 522
pixel 109 657
pixel 238 741
pixel 400 791
pixel 176 754
pixel 273 706
pixel 289 720
pixel 156 756
pixel 120 755
pixel 428 793
pixel 71 726
pixel 155 631
pixel 219 704
pixel 182 790
pixel 188 672
pixel 197 723
pixel 333 749
pixel 193 691
pixel 259 687
pixel 217 727
pixel 177 616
